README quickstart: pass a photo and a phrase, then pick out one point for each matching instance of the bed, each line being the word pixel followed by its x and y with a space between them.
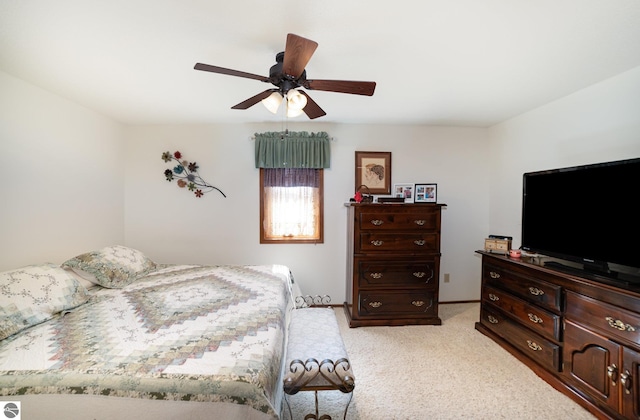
pixel 111 334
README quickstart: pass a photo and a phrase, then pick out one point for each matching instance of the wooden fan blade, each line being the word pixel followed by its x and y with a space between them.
pixel 342 86
pixel 254 99
pixel 297 54
pixel 222 70
pixel 311 108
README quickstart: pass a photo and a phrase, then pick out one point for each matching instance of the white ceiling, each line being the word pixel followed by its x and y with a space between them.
pixel 439 62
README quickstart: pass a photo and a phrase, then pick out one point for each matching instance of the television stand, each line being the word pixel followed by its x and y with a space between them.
pixel 579 334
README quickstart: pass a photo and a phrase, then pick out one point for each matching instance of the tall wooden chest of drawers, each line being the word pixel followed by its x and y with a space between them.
pixel 393 264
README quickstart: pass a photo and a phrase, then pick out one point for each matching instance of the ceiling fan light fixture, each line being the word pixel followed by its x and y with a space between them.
pixel 288 74
pixel 292 112
pixel 296 100
pixel 272 102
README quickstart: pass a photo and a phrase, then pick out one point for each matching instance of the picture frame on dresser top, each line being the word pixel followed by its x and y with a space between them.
pixel 404 191
pixel 425 193
pixel 373 169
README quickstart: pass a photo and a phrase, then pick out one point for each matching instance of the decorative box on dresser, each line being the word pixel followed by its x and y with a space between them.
pixel 393 264
pixel 578 331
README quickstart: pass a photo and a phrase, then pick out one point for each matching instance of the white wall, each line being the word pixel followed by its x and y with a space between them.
pixel 597 124
pixel 61 177
pixel 73 181
pixel 171 225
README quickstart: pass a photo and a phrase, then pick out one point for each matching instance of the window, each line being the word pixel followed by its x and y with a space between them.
pixel 291 205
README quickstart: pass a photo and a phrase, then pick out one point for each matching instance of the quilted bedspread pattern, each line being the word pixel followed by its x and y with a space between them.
pixel 183 333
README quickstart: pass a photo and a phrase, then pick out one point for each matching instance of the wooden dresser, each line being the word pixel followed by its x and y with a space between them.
pixel 393 264
pixel 578 332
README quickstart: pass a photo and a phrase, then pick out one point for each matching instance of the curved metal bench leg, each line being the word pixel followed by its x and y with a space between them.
pixel 347 407
pixel 288 406
pixel 317 416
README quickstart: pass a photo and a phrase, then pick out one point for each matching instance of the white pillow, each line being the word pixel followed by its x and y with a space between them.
pixel 34 294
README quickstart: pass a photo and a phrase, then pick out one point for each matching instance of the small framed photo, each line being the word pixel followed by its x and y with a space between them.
pixel 373 169
pixel 405 191
pixel 426 193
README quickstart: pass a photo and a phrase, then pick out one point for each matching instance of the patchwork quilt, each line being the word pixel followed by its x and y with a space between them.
pixel 180 333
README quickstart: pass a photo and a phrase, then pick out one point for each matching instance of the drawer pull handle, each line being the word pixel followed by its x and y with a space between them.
pixel 492 319
pixel 418 303
pixel 375 304
pixel 535 319
pixel 376 275
pixel 535 291
pixel 494 275
pixel 420 222
pixel 419 242
pixel 377 243
pixel 612 373
pixel 625 380
pixel 422 275
pixel 533 345
pixel 377 222
pixel 493 297
pixel 619 325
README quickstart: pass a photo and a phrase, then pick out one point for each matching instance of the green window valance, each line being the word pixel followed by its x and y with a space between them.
pixel 294 150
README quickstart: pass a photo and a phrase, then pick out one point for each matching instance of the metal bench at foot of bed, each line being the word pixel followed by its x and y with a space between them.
pixel 316 358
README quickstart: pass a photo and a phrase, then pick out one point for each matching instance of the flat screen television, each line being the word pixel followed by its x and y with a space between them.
pixel 587 214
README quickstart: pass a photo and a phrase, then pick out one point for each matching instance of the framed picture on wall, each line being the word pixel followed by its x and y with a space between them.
pixel 426 193
pixel 405 191
pixel 373 169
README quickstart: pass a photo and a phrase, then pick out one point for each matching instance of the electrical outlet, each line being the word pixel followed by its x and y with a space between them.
pixel 446 277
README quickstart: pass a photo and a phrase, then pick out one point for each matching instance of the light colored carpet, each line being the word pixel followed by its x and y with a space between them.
pixel 437 372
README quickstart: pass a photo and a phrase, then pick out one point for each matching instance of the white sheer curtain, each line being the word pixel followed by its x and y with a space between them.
pixel 291 211
pixel 291 198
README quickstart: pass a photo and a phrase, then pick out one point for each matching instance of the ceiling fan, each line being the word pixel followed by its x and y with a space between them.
pixel 289 76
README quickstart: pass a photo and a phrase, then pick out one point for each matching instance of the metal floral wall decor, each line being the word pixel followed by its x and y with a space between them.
pixel 186 174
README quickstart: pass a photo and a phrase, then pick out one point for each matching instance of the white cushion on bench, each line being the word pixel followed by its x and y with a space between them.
pixel 314 334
